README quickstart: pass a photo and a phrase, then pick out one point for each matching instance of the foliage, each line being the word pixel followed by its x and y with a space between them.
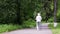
pixel 8 27
pixel 58 11
pixel 51 19
pixel 24 11
pixel 55 30
pixel 29 24
pixel 12 11
pixel 7 11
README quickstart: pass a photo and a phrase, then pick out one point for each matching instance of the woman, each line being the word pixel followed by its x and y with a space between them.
pixel 38 20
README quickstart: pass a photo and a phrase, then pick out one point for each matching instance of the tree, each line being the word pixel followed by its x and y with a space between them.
pixel 55 10
pixel 18 19
pixel 47 12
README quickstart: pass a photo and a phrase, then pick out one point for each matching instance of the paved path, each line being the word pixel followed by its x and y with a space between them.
pixel 44 30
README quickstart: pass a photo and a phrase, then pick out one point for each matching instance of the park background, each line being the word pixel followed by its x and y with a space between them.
pixel 20 14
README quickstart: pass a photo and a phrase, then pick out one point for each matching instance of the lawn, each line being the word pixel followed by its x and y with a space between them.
pixel 55 30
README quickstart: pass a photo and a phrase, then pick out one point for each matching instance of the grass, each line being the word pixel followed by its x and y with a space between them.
pixel 55 30
pixel 7 28
pixel 11 27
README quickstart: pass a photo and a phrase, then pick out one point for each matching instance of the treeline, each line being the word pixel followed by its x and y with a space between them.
pixel 18 11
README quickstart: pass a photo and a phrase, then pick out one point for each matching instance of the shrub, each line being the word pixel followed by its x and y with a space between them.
pixel 51 19
pixel 29 24
pixel 10 27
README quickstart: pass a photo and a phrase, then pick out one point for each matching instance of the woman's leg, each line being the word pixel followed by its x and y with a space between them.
pixel 37 26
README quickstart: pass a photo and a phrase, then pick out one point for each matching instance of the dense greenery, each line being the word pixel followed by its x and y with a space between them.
pixel 16 13
pixel 10 27
pixel 58 12
pixel 9 10
pixel 55 30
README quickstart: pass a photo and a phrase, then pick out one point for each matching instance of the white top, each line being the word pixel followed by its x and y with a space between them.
pixel 38 18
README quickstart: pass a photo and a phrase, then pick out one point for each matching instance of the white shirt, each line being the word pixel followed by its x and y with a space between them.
pixel 38 18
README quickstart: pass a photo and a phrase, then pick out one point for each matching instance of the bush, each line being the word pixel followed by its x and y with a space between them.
pixel 10 27
pixel 51 19
pixel 29 24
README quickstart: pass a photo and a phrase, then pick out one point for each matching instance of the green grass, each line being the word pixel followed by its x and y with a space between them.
pixel 7 28
pixel 55 30
pixel 11 27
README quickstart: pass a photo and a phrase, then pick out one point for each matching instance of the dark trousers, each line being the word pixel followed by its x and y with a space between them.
pixel 38 24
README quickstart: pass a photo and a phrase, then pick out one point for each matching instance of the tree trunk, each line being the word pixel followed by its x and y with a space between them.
pixel 18 20
pixel 55 10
